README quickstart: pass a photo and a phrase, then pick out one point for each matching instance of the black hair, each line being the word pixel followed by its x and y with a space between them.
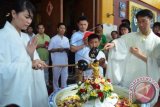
pixel 21 5
pixel 99 25
pixel 144 13
pixel 125 25
pixel 40 24
pixel 114 32
pixel 156 24
pixel 12 105
pixel 82 18
pixel 29 27
pixel 95 61
pixel 93 36
pixel 125 21
pixel 59 24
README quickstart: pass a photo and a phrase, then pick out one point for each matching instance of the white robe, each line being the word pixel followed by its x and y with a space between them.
pixel 38 89
pixel 15 69
pixel 123 66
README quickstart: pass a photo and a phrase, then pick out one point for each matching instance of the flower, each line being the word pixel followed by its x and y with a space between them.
pixel 82 90
pixel 100 94
pixel 93 93
pixel 103 80
pixel 46 44
pixel 108 80
pixel 94 88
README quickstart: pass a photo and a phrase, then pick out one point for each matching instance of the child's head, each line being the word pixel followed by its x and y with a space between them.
pixel 93 41
pixel 85 37
pixel 61 28
pixel 126 21
pixel 114 34
pixel 124 29
pixel 82 23
pixel 156 27
pixel 99 29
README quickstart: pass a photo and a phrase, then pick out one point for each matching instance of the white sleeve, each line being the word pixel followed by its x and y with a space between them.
pixel 153 70
pixel 74 40
pixel 36 56
pixel 120 50
pixel 67 43
pixel 51 44
pixel 116 61
pixel 153 63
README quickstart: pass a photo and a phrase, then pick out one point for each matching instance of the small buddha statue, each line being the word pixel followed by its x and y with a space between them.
pixel 95 66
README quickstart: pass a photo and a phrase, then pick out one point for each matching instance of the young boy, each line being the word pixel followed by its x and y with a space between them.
pixel 93 42
pixel 59 45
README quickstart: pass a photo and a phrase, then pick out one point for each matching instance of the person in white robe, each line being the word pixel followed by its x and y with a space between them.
pixel 153 64
pixel 93 42
pixel 15 69
pixel 123 66
pixel 16 63
pixel 59 47
pixel 38 88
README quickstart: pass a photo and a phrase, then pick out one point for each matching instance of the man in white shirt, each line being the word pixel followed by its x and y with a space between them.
pixel 59 46
pixel 77 44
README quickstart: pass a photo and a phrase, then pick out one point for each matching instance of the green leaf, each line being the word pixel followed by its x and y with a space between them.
pixel 102 99
pixel 92 97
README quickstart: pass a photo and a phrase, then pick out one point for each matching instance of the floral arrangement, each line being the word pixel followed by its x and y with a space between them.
pixel 70 101
pixel 93 88
pixel 125 102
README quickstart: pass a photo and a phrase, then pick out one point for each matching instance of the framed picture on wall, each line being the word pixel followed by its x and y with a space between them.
pixel 158 18
pixel 133 9
pixel 122 9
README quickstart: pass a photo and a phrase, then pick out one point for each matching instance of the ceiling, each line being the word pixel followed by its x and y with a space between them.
pixel 154 3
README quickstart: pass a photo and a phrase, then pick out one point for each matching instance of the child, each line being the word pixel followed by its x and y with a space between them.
pixel 114 35
pixel 58 47
pixel 93 42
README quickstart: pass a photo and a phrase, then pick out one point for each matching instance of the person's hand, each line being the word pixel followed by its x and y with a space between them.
pixel 109 46
pixel 61 49
pixel 38 64
pixel 136 51
pixel 31 46
pixel 102 62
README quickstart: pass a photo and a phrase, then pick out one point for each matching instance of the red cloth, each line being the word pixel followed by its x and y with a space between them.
pixel 86 34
